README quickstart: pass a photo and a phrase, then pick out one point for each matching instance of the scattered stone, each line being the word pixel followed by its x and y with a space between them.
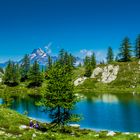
pixel 22 127
pixel 72 134
pixel 126 133
pixel 9 135
pixel 79 81
pixel 34 135
pixel 110 133
pixel 2 132
pixel 96 72
pixel 75 125
pixel 97 135
pixel 19 135
pixel 139 136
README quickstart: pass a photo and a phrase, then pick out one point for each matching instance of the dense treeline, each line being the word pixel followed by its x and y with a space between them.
pixel 90 64
pixel 31 73
pixel 126 51
pixel 16 73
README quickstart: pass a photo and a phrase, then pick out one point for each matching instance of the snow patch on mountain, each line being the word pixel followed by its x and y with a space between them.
pixel 40 56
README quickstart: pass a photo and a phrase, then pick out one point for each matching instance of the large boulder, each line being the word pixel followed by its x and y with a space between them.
pixel 96 72
pixel 79 81
pixel 1 75
pixel 108 73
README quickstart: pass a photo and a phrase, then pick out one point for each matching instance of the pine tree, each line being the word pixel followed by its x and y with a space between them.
pixel 16 74
pixel 25 67
pixel 88 66
pixel 12 75
pixel 87 61
pixel 110 55
pixel 93 61
pixel 66 59
pixel 61 56
pixel 59 98
pixel 72 60
pixel 137 47
pixel 1 70
pixel 35 76
pixel 7 79
pixel 88 70
pixel 49 62
pixel 125 50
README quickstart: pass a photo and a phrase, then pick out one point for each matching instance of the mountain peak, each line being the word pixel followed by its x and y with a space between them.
pixel 38 51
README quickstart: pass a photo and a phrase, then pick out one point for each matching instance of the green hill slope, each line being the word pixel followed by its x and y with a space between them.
pixel 127 81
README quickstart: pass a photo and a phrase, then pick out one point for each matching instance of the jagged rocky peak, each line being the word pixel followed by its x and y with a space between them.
pixel 38 51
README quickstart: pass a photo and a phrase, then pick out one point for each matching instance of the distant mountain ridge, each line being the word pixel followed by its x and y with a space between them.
pixel 41 57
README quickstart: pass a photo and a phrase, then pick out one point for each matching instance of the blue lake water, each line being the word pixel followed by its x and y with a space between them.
pixel 103 112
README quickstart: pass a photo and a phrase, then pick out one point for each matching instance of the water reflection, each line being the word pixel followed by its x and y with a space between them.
pixel 1 101
pixel 109 98
pixel 107 111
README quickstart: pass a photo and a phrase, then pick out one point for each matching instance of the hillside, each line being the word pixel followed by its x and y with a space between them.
pixel 14 126
pixel 126 80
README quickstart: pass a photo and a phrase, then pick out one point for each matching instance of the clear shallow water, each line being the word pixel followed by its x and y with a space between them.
pixel 106 111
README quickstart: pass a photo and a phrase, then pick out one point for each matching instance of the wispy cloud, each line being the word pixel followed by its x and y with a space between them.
pixel 48 48
pixel 85 52
pixel 100 54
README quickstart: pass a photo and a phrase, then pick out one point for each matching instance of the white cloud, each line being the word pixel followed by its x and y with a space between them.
pixel 100 55
pixel 48 48
pixel 85 52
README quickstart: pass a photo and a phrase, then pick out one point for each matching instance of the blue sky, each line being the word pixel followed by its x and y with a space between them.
pixel 78 26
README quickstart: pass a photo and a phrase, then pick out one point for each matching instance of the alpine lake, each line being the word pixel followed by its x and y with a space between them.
pixel 116 112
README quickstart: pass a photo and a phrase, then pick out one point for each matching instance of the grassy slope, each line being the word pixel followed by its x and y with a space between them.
pixel 123 84
pixel 11 120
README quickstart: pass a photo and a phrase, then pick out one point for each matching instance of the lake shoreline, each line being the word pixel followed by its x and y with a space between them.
pixel 74 134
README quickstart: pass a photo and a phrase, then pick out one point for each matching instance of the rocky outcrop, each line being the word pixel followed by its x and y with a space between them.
pixel 1 75
pixel 96 72
pixel 108 73
pixel 79 81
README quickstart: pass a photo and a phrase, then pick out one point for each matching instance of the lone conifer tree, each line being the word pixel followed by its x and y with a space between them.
pixel 137 47
pixel 125 50
pixel 35 76
pixel 12 75
pixel 49 65
pixel 93 61
pixel 110 55
pixel 59 98
pixel 89 63
pixel 25 67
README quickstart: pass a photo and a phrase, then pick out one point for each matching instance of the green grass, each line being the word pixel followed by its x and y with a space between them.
pixel 128 71
pixel 123 84
pixel 10 122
